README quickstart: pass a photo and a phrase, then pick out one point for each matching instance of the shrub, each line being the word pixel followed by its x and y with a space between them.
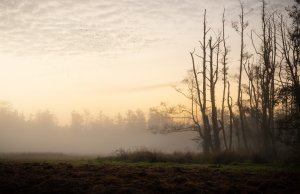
pixel 146 155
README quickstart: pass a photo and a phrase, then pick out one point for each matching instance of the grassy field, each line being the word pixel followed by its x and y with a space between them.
pixel 58 173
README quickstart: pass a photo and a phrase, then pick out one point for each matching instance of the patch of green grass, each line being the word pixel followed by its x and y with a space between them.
pixel 147 159
pixel 234 167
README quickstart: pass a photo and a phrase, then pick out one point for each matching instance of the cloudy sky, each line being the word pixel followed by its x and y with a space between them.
pixel 115 55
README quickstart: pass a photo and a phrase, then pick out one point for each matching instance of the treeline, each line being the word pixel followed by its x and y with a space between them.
pixel 85 133
pixel 79 121
pixel 264 118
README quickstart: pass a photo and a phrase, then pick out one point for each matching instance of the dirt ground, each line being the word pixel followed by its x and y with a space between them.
pixel 67 178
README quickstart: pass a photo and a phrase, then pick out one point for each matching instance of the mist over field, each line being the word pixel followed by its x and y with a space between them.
pixel 85 135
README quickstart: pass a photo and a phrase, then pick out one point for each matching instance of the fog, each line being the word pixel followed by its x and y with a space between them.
pixel 85 134
pixel 68 55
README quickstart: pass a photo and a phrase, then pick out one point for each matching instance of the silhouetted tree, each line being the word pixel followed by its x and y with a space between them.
pixel 225 72
pixel 290 37
pixel 265 88
pixel 240 27
pixel 288 94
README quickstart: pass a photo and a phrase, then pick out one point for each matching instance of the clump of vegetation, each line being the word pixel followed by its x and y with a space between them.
pixel 155 156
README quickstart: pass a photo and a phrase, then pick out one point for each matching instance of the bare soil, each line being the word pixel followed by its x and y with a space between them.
pixel 25 177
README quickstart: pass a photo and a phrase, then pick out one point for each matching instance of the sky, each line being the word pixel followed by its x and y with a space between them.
pixel 108 56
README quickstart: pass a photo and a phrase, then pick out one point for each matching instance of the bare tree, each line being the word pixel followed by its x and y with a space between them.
pixel 197 93
pixel 290 48
pixel 213 79
pixel 274 71
pixel 268 57
pixel 289 92
pixel 206 125
pixel 206 137
pixel 240 27
pixel 224 71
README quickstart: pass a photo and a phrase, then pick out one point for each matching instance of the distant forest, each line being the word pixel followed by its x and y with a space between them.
pixel 46 120
pixel 86 133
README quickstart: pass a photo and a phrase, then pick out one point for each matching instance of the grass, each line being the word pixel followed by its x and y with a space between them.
pixel 234 167
pixel 229 162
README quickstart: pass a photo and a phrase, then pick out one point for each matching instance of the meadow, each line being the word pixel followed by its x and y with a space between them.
pixel 135 173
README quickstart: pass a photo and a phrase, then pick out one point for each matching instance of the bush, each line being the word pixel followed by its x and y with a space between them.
pixel 146 155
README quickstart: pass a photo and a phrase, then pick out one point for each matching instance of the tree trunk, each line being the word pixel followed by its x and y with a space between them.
pixel 214 116
pixel 224 81
pixel 239 99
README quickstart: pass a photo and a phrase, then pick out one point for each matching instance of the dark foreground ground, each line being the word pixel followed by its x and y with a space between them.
pixel 42 177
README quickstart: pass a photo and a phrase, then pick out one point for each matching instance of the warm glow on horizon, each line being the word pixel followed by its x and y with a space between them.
pixel 108 56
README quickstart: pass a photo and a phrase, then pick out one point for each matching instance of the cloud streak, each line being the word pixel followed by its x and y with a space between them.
pixel 149 87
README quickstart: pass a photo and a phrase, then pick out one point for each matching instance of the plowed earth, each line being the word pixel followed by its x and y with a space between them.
pixel 105 178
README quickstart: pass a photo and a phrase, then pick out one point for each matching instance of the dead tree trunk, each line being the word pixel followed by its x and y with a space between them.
pixel 213 77
pixel 207 136
pixel 242 26
pixel 224 62
pixel 268 72
pixel 229 104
